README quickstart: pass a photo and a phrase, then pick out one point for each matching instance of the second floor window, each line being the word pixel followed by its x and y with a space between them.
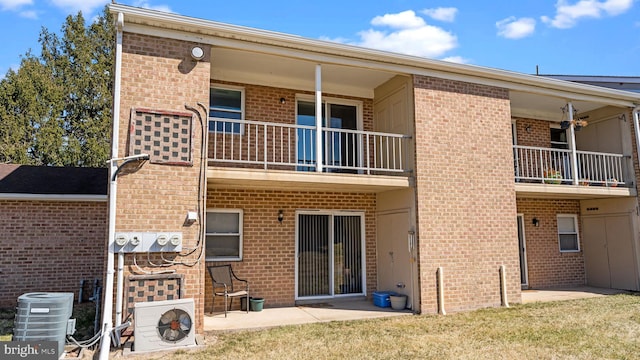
pixel 225 103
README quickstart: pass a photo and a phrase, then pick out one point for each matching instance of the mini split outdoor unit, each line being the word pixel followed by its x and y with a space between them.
pixel 44 317
pixel 162 325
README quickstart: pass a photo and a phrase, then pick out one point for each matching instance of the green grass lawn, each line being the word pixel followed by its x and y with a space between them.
pixel 598 328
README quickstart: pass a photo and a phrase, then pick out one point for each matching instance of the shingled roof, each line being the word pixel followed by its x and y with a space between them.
pixel 49 180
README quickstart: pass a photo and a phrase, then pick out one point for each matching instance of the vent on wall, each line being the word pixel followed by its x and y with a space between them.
pixel 164 135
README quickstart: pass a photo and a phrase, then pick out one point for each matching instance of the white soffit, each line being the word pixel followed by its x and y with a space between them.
pixel 277 71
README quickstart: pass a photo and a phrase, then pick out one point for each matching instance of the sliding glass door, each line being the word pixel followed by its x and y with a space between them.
pixel 329 251
pixel 339 149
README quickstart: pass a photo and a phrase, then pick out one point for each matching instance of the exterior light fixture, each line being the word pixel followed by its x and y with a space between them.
pixel 197 53
pixel 280 216
pixel 283 100
pixel 536 222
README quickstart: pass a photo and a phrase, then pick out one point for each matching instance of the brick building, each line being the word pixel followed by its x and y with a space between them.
pixel 323 171
pixel 55 224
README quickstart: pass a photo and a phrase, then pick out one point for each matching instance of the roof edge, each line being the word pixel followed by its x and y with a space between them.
pixel 236 32
pixel 53 197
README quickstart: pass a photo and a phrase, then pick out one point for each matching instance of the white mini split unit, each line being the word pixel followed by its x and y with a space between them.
pixel 163 325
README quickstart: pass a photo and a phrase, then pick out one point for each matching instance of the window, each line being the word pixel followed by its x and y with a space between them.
pixel 559 138
pixel 568 233
pixel 224 235
pixel 226 103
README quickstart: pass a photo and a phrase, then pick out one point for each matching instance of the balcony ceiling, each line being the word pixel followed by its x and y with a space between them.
pixel 258 68
pixel 545 107
pixel 278 71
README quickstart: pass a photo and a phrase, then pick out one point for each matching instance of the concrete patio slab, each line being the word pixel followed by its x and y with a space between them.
pixel 582 292
pixel 301 314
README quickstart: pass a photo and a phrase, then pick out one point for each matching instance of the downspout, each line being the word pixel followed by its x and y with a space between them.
pixel 319 154
pixel 636 127
pixel 574 153
pixel 107 325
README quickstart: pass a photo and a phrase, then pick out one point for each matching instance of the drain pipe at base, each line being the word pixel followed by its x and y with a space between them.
pixel 107 310
pixel 440 276
pixel 503 286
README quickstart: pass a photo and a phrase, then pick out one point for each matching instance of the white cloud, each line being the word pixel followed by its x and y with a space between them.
pixel 147 5
pixel 14 4
pixel 401 20
pixel 512 28
pixel 567 15
pixel 409 34
pixel 86 6
pixel 457 59
pixel 29 14
pixel 441 13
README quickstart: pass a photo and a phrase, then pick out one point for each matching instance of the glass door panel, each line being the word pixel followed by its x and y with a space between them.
pixel 313 255
pixel 347 255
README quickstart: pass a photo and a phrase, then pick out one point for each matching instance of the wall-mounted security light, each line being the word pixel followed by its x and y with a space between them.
pixel 197 53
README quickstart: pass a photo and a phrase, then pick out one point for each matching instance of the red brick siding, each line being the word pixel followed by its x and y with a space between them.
pixel 465 196
pixel 269 247
pixel 547 266
pixel 159 74
pixel 50 246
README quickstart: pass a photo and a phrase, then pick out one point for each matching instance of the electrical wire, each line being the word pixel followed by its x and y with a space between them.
pixel 84 343
pixel 138 268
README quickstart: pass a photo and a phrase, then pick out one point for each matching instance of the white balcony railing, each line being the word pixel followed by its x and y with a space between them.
pixel 293 147
pixel 554 166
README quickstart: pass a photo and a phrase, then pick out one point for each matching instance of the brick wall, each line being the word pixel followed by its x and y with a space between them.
pixel 547 266
pixel 531 132
pixel 269 247
pixel 465 196
pixel 159 74
pixel 49 246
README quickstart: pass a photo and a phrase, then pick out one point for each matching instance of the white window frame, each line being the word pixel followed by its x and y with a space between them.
pixel 576 233
pixel 242 106
pixel 240 213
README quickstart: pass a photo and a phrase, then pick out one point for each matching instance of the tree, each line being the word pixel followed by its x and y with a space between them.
pixel 56 108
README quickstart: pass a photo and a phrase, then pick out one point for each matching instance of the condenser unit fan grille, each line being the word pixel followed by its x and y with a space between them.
pixel 174 325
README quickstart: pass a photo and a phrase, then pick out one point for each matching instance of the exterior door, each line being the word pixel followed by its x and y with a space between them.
pixel 339 149
pixel 523 253
pixel 608 252
pixel 594 237
pixel 330 255
pixel 395 257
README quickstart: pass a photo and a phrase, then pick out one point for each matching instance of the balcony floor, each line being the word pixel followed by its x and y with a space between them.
pixel 221 177
pixel 553 191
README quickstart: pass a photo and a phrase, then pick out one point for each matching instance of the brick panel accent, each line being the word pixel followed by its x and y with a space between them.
pixel 269 247
pixel 465 195
pixel 159 74
pixel 547 266
pixel 49 246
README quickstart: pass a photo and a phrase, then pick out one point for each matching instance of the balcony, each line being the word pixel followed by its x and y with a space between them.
pixel 256 154
pixel 555 173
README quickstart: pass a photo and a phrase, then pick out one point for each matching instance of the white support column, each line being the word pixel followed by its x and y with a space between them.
pixel 574 154
pixel 319 134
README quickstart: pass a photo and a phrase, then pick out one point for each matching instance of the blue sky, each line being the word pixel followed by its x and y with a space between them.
pixel 575 37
